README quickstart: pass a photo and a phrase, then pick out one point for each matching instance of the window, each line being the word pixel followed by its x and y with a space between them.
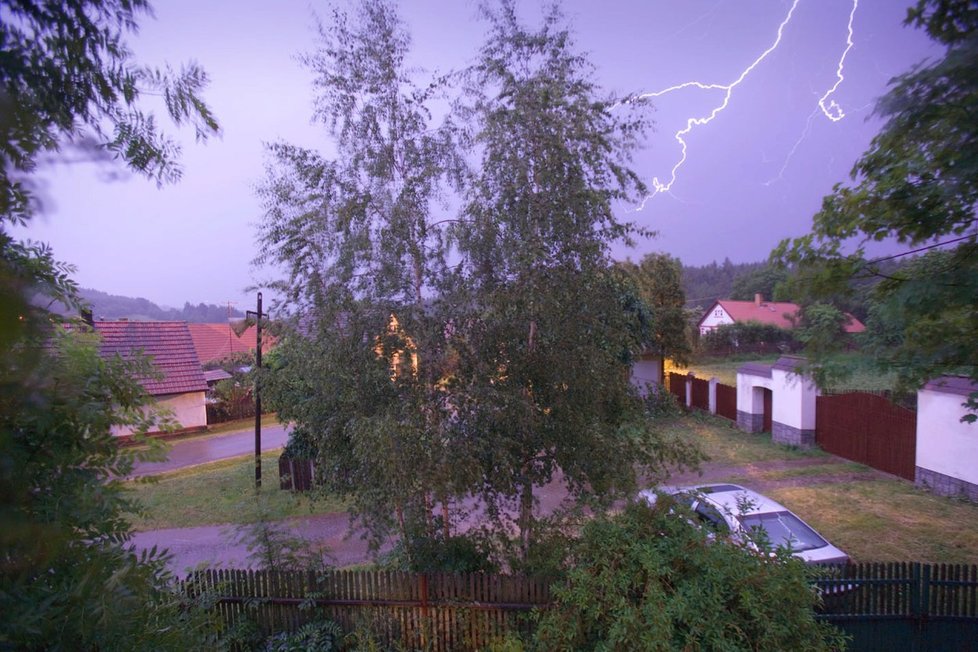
pixel 783 529
pixel 709 516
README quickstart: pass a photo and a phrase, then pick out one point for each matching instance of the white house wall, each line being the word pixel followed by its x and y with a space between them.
pixel 946 447
pixel 647 371
pixel 188 410
pixel 716 317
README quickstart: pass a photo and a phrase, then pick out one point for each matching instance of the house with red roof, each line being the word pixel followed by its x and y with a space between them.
pixel 180 386
pixel 215 342
pixel 782 314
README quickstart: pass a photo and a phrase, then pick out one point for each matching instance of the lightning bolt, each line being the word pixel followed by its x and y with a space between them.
pixel 657 185
pixel 832 110
pixel 829 107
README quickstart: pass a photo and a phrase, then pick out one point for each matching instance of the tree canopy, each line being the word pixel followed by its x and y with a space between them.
pixel 67 577
pixel 439 354
pixel 917 185
pixel 658 278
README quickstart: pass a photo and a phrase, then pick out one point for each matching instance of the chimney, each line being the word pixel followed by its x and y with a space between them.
pixel 758 299
pixel 86 315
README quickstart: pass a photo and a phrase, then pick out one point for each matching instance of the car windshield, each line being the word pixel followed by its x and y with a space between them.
pixel 783 529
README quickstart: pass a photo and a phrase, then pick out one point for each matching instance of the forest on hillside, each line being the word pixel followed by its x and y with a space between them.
pixel 106 307
pixel 705 284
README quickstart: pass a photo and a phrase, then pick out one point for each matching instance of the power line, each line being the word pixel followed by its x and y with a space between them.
pixel 918 250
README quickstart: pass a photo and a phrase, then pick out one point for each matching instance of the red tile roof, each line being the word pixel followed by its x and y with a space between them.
pixel 167 343
pixel 776 313
pixel 217 341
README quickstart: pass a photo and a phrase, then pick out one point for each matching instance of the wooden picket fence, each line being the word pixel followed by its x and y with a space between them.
pixel 429 611
pixel 727 401
pixel 885 606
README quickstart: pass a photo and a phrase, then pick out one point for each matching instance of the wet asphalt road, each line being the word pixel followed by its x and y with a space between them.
pixel 218 447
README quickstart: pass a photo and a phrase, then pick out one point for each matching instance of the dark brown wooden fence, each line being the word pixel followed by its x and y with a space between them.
pixel 677 386
pixel 296 475
pixel 701 394
pixel 230 410
pixel 429 611
pixel 727 401
pixel 868 429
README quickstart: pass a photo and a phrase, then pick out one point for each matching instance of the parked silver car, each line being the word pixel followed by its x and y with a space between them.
pixel 748 515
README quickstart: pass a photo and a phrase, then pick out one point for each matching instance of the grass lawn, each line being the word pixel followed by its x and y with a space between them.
pixel 724 443
pixel 220 492
pixel 884 520
pixel 872 516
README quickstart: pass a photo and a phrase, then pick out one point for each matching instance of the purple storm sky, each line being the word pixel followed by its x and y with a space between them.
pixel 753 175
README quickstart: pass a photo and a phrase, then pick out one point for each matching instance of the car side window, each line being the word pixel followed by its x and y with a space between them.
pixel 709 516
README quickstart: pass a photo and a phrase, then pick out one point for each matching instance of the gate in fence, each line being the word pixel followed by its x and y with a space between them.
pixel 868 429
pixel 904 606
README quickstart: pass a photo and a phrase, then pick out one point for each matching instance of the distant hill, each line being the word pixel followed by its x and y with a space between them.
pixel 112 306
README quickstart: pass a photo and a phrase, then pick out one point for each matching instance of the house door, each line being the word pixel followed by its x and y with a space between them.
pixel 768 403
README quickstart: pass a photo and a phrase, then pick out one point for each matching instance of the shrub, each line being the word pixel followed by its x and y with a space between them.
pixel 648 579
pixel 660 402
pixel 749 336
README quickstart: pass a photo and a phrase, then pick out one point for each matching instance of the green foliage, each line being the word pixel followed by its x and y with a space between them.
pixel 916 184
pixel 705 284
pixel 746 336
pixel 69 81
pixel 660 403
pixel 544 325
pixel 425 553
pixel 363 373
pixel 767 280
pixel 316 636
pixel 66 576
pixel 273 546
pixel 418 384
pixel 648 579
pixel 114 306
pixel 659 281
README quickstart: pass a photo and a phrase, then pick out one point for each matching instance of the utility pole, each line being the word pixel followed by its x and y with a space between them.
pixel 258 317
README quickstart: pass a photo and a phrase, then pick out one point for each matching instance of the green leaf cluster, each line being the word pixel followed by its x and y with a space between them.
pixel 660 287
pixel 649 579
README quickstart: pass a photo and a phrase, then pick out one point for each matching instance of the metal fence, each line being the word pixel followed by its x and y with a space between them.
pixel 903 606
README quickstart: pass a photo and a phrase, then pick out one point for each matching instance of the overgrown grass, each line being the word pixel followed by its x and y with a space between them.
pixel 220 492
pixel 888 520
pixel 725 444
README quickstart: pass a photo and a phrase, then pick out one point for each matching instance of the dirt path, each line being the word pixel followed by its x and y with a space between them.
pixel 219 545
